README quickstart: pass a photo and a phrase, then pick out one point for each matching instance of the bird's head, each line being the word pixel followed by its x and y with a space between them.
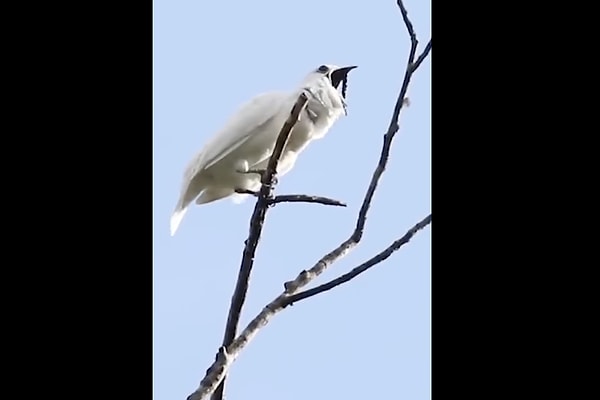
pixel 334 75
pixel 329 78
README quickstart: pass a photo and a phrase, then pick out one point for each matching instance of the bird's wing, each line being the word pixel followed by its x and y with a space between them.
pixel 240 127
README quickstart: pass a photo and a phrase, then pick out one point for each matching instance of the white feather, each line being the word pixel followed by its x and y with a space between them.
pixel 176 219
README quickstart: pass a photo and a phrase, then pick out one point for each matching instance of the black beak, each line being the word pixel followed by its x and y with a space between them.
pixel 339 75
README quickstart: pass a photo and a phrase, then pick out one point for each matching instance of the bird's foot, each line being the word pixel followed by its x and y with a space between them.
pixel 270 201
pixel 262 172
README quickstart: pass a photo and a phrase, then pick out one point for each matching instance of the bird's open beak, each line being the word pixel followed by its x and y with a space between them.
pixel 339 75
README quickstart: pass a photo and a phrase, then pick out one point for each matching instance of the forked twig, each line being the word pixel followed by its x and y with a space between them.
pixel 361 268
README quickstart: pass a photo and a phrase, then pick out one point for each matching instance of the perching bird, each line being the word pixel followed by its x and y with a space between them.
pixel 233 158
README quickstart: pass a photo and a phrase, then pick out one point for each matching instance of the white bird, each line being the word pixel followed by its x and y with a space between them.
pixel 231 160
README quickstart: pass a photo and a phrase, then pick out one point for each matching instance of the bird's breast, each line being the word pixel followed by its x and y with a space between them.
pixel 303 132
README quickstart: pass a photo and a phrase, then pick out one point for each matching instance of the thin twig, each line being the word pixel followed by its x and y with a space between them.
pixel 296 198
pixel 422 56
pixel 361 268
pixel 302 198
pixel 407 23
pixel 256 224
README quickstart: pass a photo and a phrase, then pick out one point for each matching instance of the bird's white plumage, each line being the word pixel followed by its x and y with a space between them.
pixel 238 129
pixel 247 140
pixel 176 218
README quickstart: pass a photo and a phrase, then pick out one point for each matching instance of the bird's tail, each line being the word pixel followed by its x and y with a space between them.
pixel 176 218
pixel 191 188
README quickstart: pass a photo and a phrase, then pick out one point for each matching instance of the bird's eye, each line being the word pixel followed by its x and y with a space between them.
pixel 323 68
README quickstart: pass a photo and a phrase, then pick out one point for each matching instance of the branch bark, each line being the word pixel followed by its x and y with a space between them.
pixel 256 223
pixel 296 198
pixel 361 268
pixel 302 198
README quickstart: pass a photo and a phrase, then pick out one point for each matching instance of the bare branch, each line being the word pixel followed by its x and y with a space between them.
pixel 210 382
pixel 230 351
pixel 345 247
pixel 302 198
pixel 225 357
pixel 361 268
pixel 422 56
pixel 408 23
pixel 296 198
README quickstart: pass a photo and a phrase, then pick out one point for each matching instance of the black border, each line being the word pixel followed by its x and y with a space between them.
pixel 474 86
pixel 88 244
pixel 85 145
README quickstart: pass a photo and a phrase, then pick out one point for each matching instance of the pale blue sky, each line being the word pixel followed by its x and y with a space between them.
pixel 368 339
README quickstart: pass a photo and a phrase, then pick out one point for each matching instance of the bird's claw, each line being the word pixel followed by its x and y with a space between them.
pixel 262 173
